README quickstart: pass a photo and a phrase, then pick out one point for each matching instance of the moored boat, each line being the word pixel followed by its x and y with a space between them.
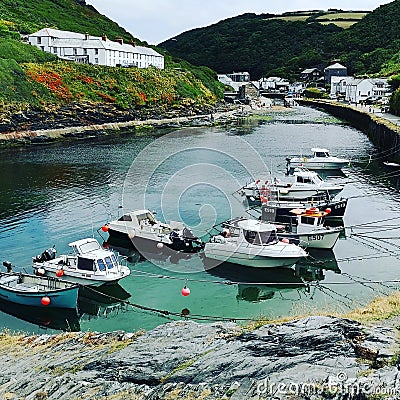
pixel 37 291
pixel 252 243
pixel 88 264
pixel 280 211
pixel 141 229
pixel 307 229
pixel 321 160
pixel 303 185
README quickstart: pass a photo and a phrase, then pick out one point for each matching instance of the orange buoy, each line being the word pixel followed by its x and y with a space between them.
pixel 45 301
pixel 104 228
pixel 59 273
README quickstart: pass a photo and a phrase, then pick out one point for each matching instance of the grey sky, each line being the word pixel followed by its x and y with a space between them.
pixel 157 20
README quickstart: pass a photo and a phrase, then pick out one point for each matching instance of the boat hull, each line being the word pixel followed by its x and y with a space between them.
pixel 313 240
pixel 280 211
pixel 216 252
pixel 149 244
pixel 86 279
pixel 33 294
pixel 319 165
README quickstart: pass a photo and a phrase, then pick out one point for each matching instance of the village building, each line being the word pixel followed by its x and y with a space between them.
pixel 83 48
pixel 333 70
pixel 361 90
pixel 310 75
pixel 235 80
pixel 274 84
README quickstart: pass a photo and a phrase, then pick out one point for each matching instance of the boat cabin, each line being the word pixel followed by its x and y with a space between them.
pixel 252 231
pixel 320 152
pixel 88 255
pixel 306 220
pixel 307 177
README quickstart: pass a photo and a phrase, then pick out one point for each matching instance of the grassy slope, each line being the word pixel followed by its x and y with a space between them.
pixel 30 77
pixel 30 16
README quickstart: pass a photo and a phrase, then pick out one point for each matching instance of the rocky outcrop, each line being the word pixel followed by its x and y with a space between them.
pixel 86 119
pixel 315 357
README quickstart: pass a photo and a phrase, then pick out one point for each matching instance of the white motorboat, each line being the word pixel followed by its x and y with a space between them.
pixel 147 234
pixel 252 243
pixel 320 160
pixel 88 264
pixel 302 185
pixel 307 229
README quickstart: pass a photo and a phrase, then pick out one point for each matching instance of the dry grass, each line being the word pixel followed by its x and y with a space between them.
pixel 379 309
pixel 344 15
pixel 340 24
pixel 291 18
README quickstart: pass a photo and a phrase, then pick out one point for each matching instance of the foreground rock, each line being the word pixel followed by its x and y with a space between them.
pixel 316 357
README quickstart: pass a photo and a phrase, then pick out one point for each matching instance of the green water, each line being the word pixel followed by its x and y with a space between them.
pixel 55 194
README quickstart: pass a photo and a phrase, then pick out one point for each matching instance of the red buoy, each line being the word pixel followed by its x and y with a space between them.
pixel 328 210
pixel 285 240
pixel 59 273
pixel 185 291
pixel 104 228
pixel 45 301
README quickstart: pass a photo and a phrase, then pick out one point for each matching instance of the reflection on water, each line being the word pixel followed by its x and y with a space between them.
pixel 103 301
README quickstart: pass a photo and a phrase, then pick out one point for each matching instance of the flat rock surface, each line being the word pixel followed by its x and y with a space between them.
pixel 310 358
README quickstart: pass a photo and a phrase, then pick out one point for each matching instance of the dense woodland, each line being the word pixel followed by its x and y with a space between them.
pixel 267 46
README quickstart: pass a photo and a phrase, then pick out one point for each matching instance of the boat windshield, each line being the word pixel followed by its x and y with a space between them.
pixel 260 238
pixel 86 264
pixel 146 218
pixel 89 246
pixel 321 154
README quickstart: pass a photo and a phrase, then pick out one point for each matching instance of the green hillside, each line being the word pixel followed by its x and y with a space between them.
pixel 32 78
pixel 265 45
pixel 71 15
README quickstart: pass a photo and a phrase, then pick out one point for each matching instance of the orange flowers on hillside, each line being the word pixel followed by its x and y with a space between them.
pixel 53 82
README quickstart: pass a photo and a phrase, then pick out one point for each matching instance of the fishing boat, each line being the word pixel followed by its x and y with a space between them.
pixel 303 185
pixel 147 234
pixel 307 229
pixel 252 243
pixel 87 264
pixel 37 291
pixel 320 160
pixel 280 211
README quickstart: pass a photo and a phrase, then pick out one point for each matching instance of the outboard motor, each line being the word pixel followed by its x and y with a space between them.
pixel 8 265
pixel 47 255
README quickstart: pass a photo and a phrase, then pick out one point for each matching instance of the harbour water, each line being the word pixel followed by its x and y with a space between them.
pixel 55 194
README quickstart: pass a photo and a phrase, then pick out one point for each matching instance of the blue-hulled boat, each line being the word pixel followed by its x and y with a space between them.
pixel 37 291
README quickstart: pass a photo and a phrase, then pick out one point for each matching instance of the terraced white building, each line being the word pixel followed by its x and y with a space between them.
pixel 88 49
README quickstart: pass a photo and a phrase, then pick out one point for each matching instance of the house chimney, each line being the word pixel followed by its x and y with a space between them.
pixel 104 38
pixel 120 40
pixel 87 36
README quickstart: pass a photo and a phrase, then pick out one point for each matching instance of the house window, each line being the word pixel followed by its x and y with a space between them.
pixel 96 60
pixel 55 50
pixel 75 51
pixel 39 40
pixel 85 52
pixel 96 51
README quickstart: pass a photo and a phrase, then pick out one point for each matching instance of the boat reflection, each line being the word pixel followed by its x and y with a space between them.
pixel 102 301
pixel 49 318
pixel 163 255
pixel 255 285
pixel 99 301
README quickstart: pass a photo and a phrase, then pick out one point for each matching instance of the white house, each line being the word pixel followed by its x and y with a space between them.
pixel 274 83
pixel 88 49
pixel 358 90
pixel 235 80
